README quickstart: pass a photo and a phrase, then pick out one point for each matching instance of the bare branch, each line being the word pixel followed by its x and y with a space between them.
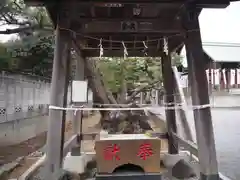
pixel 140 89
pixel 17 5
pixel 26 28
pixel 11 20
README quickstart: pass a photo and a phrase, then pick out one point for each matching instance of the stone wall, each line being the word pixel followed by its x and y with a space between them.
pixel 23 107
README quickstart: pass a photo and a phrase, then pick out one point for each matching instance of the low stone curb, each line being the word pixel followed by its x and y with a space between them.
pixel 6 168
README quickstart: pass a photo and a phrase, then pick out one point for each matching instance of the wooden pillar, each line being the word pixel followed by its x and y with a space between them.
pixel 202 116
pixel 228 79
pixel 222 82
pixel 180 98
pixel 77 118
pixel 214 75
pixel 58 85
pixel 235 78
pixel 156 97
pixel 238 76
pixel 169 82
pixel 152 94
pixel 141 98
pixel 65 100
pixel 210 78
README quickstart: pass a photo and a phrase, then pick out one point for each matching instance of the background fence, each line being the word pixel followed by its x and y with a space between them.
pixel 23 96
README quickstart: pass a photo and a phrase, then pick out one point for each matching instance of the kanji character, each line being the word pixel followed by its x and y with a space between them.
pixel 145 151
pixel 110 152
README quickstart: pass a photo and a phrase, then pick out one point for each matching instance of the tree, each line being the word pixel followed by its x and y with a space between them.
pixel 22 19
pixel 176 59
pixel 32 51
pixel 35 57
pixel 134 71
pixel 5 57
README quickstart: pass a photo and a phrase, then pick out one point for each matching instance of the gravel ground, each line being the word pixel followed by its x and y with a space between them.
pixel 10 153
pixel 89 126
pixel 37 144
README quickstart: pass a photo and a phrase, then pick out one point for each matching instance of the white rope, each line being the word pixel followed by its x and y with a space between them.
pixel 96 109
pixel 120 105
pixel 125 50
pixel 145 48
pixel 144 44
pixel 127 105
pixel 101 49
pixel 179 106
pixel 124 108
pixel 165 45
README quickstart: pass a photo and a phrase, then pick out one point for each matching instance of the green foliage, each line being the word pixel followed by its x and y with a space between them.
pixel 134 71
pixel 176 59
pixel 33 50
pixel 5 57
pixel 15 12
pixel 34 57
pixel 24 20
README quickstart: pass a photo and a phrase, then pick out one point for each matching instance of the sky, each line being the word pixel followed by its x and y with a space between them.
pixel 219 25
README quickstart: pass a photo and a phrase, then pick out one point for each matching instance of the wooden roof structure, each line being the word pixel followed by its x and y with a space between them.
pixel 133 22
pixel 223 52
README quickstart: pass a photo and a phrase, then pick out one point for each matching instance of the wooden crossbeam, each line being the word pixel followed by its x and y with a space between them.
pixel 167 3
pixel 120 19
pixel 137 26
pixel 107 3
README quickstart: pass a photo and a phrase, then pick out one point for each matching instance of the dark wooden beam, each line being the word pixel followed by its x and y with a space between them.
pixel 78 117
pixel 200 97
pixel 167 3
pixel 175 43
pixel 127 35
pixel 169 86
pixel 106 3
pixel 58 84
pixel 110 44
pixel 113 19
pixel 199 3
pixel 150 26
pixel 134 44
pixel 93 12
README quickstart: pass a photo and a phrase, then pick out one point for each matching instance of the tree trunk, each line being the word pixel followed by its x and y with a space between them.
pixel 123 91
pixel 123 122
pixel 95 82
pixel 101 94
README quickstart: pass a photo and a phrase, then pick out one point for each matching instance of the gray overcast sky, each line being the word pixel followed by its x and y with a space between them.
pixel 217 25
pixel 221 25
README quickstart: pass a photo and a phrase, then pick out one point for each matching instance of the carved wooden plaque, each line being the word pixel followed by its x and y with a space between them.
pixel 116 150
